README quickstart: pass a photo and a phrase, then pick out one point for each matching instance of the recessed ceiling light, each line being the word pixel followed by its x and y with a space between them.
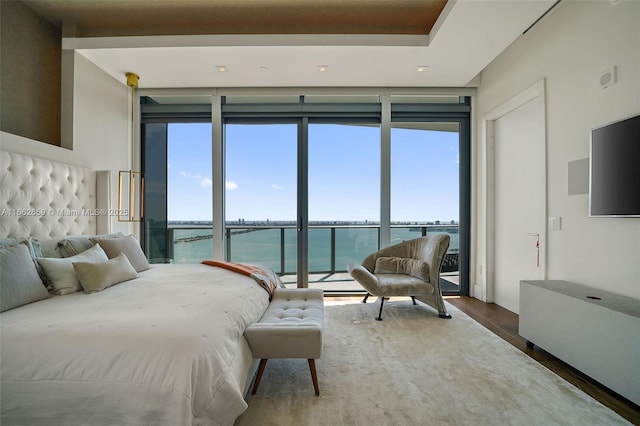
pixel 422 68
pixel 222 68
pixel 323 68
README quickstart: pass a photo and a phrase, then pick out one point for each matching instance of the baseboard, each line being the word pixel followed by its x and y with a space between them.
pixel 478 293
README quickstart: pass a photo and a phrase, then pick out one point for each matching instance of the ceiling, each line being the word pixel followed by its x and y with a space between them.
pixel 284 43
pixel 103 18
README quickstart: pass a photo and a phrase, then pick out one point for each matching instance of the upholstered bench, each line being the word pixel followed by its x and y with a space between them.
pixel 291 327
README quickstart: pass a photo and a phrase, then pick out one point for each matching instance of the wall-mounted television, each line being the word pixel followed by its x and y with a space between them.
pixel 614 176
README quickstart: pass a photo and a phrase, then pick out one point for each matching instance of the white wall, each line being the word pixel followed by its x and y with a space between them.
pixel 101 129
pixel 570 48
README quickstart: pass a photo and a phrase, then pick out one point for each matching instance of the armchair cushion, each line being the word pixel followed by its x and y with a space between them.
pixel 398 265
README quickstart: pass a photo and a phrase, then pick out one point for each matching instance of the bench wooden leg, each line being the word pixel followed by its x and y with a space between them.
pixel 263 364
pixel 314 376
pixel 256 383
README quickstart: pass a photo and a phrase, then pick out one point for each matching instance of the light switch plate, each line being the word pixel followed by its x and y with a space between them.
pixel 555 223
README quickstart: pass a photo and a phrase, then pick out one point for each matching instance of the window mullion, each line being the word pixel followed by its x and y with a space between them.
pixel 303 203
pixel 218 178
pixel 385 172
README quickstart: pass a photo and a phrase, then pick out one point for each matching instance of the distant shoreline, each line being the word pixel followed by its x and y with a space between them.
pixel 280 223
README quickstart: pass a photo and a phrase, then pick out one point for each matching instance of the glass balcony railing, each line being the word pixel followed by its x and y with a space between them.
pixel 331 247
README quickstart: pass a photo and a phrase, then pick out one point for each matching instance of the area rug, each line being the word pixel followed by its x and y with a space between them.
pixel 414 368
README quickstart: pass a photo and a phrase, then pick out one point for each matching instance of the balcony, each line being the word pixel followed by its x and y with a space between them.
pixel 331 248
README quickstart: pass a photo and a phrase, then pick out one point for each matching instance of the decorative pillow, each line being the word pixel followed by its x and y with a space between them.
pixel 6 242
pixel 60 273
pixel 71 246
pixel 399 265
pixel 33 244
pixel 96 277
pixel 127 245
pixel 19 281
pixel 50 247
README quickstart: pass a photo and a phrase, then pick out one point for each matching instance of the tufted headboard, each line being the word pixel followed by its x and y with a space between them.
pixel 45 199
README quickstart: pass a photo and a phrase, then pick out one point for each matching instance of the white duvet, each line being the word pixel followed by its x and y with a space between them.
pixel 164 349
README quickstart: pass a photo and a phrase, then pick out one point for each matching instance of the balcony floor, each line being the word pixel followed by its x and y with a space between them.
pixel 341 282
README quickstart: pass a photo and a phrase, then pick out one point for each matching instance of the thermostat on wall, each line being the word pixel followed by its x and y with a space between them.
pixel 608 78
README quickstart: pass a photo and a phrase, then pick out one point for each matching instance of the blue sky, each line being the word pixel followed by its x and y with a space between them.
pixel 344 176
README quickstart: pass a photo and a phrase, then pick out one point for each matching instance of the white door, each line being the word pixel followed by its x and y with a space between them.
pixel 519 160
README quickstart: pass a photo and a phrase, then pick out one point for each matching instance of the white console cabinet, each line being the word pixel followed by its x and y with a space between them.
pixel 595 331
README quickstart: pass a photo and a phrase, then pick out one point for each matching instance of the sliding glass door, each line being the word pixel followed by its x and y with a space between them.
pixel 425 187
pixel 189 183
pixel 261 194
pixel 344 200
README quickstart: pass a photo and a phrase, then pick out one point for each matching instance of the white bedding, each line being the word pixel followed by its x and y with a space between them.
pixel 166 348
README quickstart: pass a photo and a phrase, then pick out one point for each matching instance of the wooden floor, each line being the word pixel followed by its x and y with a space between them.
pixel 504 323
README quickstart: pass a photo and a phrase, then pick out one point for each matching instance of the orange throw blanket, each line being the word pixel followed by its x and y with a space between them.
pixel 266 278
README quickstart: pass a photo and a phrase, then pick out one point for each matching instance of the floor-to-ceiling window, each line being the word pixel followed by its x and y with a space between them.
pixel 437 130
pixel 425 187
pixel 311 183
pixel 344 199
pixel 321 162
pixel 189 206
pixel 261 194
pixel 176 152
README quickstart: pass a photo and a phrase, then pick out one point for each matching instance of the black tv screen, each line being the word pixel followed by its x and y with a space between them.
pixel 614 185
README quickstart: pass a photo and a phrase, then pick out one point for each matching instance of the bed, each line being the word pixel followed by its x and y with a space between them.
pixel 164 348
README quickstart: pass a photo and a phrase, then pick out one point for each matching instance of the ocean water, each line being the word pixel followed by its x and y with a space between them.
pixel 264 245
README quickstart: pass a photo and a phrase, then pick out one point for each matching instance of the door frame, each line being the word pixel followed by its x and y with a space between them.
pixel 485 289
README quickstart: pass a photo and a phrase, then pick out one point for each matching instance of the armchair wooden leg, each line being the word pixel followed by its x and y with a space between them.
pixel 314 376
pixel 381 305
pixel 256 383
pixel 366 296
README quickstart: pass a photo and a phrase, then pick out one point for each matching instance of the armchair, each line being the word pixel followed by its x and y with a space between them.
pixel 410 268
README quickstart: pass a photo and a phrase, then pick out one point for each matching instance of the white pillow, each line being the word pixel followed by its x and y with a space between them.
pixel 97 276
pixel 60 272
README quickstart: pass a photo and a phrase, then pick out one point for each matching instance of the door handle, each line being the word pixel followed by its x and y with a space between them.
pixel 535 234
